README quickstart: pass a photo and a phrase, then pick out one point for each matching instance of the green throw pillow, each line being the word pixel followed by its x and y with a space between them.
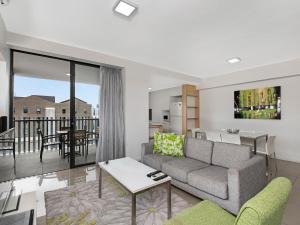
pixel 172 145
pixel 158 140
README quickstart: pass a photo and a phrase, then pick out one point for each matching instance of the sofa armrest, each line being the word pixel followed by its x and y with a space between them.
pixel 247 180
pixel 147 148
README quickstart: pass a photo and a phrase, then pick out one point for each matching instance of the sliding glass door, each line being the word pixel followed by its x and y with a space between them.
pixel 54 97
pixel 40 110
pixel 85 113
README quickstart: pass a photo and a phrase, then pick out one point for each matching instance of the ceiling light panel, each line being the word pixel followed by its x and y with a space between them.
pixel 234 60
pixel 124 8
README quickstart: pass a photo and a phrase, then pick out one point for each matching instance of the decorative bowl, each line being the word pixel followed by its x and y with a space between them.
pixel 233 131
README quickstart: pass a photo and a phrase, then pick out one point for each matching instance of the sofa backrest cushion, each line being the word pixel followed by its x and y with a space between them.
pixel 198 149
pixel 230 155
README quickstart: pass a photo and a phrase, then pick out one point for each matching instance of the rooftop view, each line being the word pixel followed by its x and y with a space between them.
pixel 26 87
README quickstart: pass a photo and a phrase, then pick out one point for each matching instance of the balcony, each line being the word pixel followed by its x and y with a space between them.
pixel 28 144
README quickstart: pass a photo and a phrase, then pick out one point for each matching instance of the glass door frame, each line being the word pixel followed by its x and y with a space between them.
pixel 73 110
pixel 73 63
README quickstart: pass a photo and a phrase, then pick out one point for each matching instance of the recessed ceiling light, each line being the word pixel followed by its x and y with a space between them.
pixel 67 74
pixel 149 89
pixel 124 8
pixel 234 60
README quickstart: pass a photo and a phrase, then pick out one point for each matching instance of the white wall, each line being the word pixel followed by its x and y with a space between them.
pixel 4 72
pixel 277 70
pixel 217 111
pixel 137 79
pixel 160 100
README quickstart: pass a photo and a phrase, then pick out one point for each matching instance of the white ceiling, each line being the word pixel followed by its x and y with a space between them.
pixel 195 37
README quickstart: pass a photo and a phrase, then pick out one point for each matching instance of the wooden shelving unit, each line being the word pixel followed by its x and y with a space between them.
pixel 190 108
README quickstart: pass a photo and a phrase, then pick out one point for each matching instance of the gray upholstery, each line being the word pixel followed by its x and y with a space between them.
pixel 230 155
pixel 230 188
pixel 199 149
pixel 212 179
pixel 155 160
pixel 247 180
pixel 227 204
pixel 180 168
pixel 147 148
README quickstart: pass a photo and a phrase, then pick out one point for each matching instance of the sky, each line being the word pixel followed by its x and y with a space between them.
pixel 26 86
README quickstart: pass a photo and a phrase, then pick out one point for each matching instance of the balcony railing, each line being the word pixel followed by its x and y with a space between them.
pixel 27 138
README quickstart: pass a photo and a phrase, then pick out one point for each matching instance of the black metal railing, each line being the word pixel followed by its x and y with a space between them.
pixel 27 138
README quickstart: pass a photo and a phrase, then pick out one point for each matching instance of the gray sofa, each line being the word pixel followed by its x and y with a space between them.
pixel 226 174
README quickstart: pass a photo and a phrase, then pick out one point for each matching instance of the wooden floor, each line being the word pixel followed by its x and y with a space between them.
pixel 29 164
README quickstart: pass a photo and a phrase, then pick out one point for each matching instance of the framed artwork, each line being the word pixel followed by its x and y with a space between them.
pixel 260 103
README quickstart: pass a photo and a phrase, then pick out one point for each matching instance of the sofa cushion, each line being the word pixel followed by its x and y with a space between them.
pixel 198 149
pixel 230 155
pixel 155 160
pixel 179 168
pixel 212 179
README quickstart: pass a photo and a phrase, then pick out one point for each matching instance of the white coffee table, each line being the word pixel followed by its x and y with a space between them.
pixel 131 174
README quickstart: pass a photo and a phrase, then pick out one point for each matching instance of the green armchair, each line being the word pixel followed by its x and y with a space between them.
pixel 266 208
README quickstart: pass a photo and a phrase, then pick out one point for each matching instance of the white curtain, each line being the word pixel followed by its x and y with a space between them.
pixel 111 143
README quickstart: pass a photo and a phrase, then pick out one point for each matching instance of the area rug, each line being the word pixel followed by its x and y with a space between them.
pixel 80 205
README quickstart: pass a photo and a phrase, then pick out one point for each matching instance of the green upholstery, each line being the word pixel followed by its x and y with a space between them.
pixel 204 213
pixel 172 145
pixel 168 144
pixel 266 208
pixel 158 140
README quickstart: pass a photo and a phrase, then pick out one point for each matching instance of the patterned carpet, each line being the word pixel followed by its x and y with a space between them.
pixel 80 205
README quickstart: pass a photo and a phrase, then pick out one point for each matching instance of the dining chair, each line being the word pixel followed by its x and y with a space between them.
pixel 195 131
pixel 92 137
pixel 269 152
pixel 231 138
pixel 80 141
pixel 213 136
pixel 200 135
pixel 47 141
pixel 7 142
pixel 64 138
